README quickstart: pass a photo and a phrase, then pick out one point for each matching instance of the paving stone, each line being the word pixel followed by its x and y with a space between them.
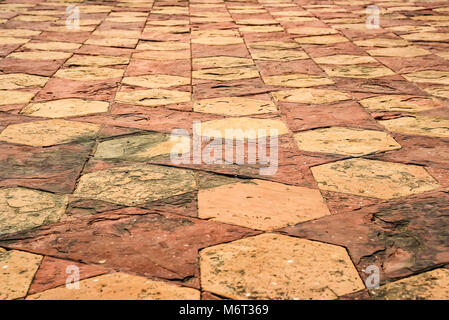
pixel 156 81
pixel 268 205
pixel 330 39
pixel 13 81
pixel 16 273
pixel 278 267
pixel 89 73
pixel 234 106
pixel 400 103
pixel 427 36
pixel 119 286
pixel 311 96
pixel 222 62
pixel 261 29
pixel 442 92
pixel 279 55
pixel 96 61
pixel 15 97
pixel 48 132
pixel 65 108
pixel 372 178
pixel 40 55
pixel 359 71
pixel 226 74
pixel 344 59
pixel 382 42
pixel 52 46
pixel 297 80
pixel 153 97
pixel 217 41
pixel 163 45
pixel 273 45
pixel 169 55
pixel 419 125
pixel 428 76
pixel 346 141
pixel 405 52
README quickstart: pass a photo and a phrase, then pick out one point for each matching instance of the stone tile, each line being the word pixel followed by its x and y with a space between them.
pixel 260 204
pixel 419 125
pixel 222 62
pixel 48 132
pixel 135 185
pixel 273 45
pixel 40 55
pixel 217 41
pixel 430 285
pixel 16 273
pixel 20 33
pixel 163 45
pixel 52 46
pixel 427 36
pixel 295 269
pixel 311 96
pixel 359 71
pixel 400 103
pixel 88 73
pixel 65 108
pixel 242 128
pixel 344 59
pixel 297 80
pixel 168 55
pixel 428 76
pixel 279 55
pixel 152 97
pixel 12 40
pixel 96 61
pixel 382 42
pixel 119 286
pixel 249 29
pixel 15 97
pixel 404 52
pixel 156 81
pixel 372 178
pixel 24 209
pixel 442 92
pixel 112 42
pixel 234 106
pixel 312 31
pixel 330 39
pixel 11 81
pixel 226 74
pixel 345 141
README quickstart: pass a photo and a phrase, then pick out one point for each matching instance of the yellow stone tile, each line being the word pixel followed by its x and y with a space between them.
pixel 23 209
pixel 226 74
pixel 19 33
pixel 213 33
pixel 273 45
pixel 400 103
pixel 119 286
pixel 330 39
pixel 17 270
pixel 218 41
pixel 372 178
pixel 382 42
pixel 411 29
pixel 431 18
pixel 166 55
pixel 295 19
pixel 439 91
pixel 310 96
pixel 152 97
pixel 311 31
pixel 135 185
pixel 275 267
pixel 163 45
pixel 344 59
pixel 116 33
pixel 88 73
pixel 234 106
pixel 297 80
pixel 419 125
pixel 167 29
pixel 83 22
pixel 261 29
pixel 96 61
pixel 289 13
pixel 256 21
pixel 52 46
pixel 268 205
pixel 112 42
pixel 404 52
pixel 430 285
pixel 359 71
pixel 11 81
pixel 94 9
pixel 12 40
pixel 444 55
pixel 210 20
pixel 428 76
pixel 170 10
pixel 168 22
pixel 345 141
pixel 48 132
pixel 279 55
pixel 247 11
pixel 242 128
pixel 222 62
pixel 126 19
pixel 14 97
pixel 28 18
pixel 40 55
pixel 65 108
pixel 156 81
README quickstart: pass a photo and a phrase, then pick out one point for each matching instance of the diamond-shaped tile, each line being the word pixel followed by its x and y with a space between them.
pixel 52 46
pixel 382 42
pixel 153 97
pixel 89 73
pixel 297 80
pixel 15 97
pixel 48 132
pixel 222 62
pixel 156 81
pixel 268 205
pixel 163 45
pixel 428 76
pixel 112 42
pixel 359 71
pixel 119 286
pixel 311 96
pixel 24 209
pixel 330 39
pixel 65 108
pixel 12 81
pixel 279 55
pixel 234 106
pixel 404 52
pixel 419 125
pixel 167 55
pixel 400 103
pixel 17 270
pixel 273 45
pixel 344 59
pixel 372 178
pixel 96 61
pixel 218 41
pixel 271 266
pixel 40 55
pixel 345 141
pixel 427 36
pixel 226 74
pixel 135 185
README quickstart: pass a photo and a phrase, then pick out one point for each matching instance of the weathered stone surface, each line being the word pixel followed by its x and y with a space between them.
pixel 234 106
pixel 96 61
pixel 297 80
pixel 359 71
pixel 15 97
pixel 279 55
pixel 222 62
pixel 330 39
pixel 268 205
pixel 310 96
pixel 156 81
pixel 372 178
pixel 226 74
pixel 419 125
pixel 344 59
pixel 89 73
pixel 405 52
pixel 152 97
pixel 13 81
pixel 40 55
pixel 296 269
pixel 119 286
pixel 48 132
pixel 65 108
pixel 400 103
pixel 52 46
pixel 345 141
pixel 163 45
pixel 217 41
pixel 382 42
pixel 16 273
pixel 428 76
